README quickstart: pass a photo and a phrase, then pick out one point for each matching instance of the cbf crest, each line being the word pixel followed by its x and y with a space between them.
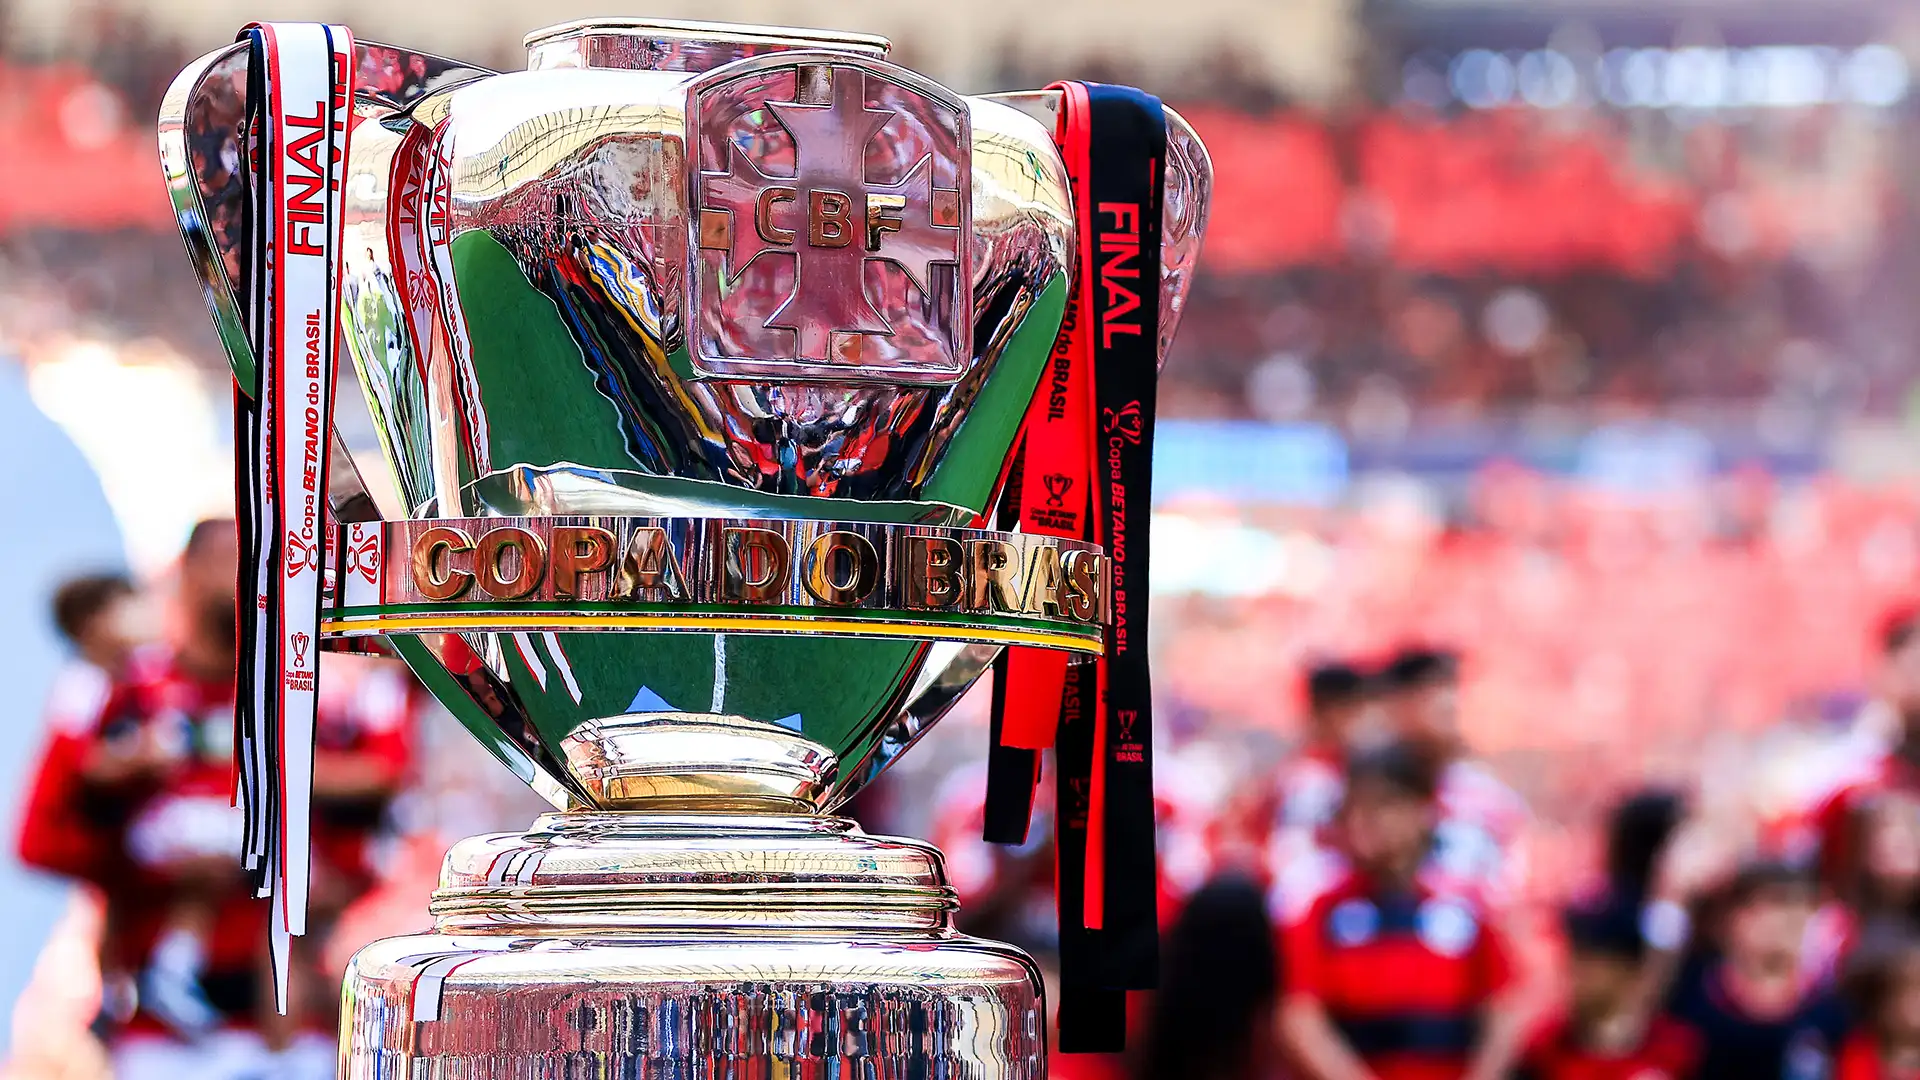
pixel 831 210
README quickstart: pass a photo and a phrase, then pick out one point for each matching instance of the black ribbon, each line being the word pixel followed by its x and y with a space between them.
pixel 1128 159
pixel 1121 223
pixel 1093 1016
pixel 257 792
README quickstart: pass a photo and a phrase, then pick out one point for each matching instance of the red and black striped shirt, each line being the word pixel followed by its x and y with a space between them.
pixel 1404 976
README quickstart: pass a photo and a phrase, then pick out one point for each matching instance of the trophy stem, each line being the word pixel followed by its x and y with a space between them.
pixel 698 763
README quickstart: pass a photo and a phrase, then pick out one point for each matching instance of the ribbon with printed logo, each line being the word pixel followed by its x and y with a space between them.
pixel 1085 471
pixel 299 100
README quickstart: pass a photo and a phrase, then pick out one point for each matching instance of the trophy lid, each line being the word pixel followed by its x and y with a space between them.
pixel 670 45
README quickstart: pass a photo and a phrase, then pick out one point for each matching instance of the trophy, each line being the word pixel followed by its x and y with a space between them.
pixel 699 357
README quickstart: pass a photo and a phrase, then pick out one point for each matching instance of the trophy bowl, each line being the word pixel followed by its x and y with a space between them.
pixel 694 357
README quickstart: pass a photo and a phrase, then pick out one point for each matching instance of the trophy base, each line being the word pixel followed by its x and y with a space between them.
pixel 614 945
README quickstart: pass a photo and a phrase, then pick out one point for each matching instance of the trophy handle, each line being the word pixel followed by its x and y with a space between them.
pixel 201 153
pixel 200 119
pixel 1189 192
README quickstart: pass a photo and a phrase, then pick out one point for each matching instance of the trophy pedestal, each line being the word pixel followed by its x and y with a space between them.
pixel 720 945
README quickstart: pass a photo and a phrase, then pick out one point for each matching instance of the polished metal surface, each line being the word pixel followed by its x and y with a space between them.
pixel 1183 218
pixel 544 320
pixel 699 762
pixel 591 871
pixel 627 945
pixel 670 45
pixel 569 212
pixel 736 575
pixel 675 287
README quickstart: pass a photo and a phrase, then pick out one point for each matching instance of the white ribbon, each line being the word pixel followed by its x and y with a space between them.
pixel 300 111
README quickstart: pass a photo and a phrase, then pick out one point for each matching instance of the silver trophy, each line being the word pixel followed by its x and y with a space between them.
pixel 695 355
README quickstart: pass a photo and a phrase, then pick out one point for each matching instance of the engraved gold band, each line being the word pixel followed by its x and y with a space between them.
pixel 717 575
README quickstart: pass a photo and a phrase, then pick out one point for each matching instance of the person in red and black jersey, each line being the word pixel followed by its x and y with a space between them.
pixel 1605 1034
pixel 56 834
pixel 61 831
pixel 152 781
pixel 183 908
pixel 1391 974
pixel 1883 985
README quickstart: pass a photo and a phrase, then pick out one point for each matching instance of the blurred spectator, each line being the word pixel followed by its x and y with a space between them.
pixel 1212 1015
pixel 1308 787
pixel 1603 1033
pixel 1842 821
pixel 135 798
pixel 99 615
pixel 95 615
pixel 1637 832
pixel 1747 994
pixel 1483 820
pixel 1452 1007
pixel 1883 984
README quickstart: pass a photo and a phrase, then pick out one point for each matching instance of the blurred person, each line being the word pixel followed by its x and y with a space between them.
pixel 1644 868
pixel 184 832
pixel 1308 788
pixel 1638 830
pixel 1888 878
pixel 181 828
pixel 154 784
pixel 1483 820
pixel 1391 972
pixel 1883 986
pixel 1883 890
pixel 1310 783
pixel 1840 818
pixel 1747 993
pixel 97 616
pixel 92 614
pixel 1209 1019
pixel 1692 874
pixel 209 566
pixel 154 788
pixel 1420 695
pixel 1604 1034
pixel 100 617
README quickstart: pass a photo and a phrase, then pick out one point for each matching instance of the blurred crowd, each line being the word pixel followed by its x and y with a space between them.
pixel 1402 267
pixel 1610 637
pixel 1393 263
pixel 1373 905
